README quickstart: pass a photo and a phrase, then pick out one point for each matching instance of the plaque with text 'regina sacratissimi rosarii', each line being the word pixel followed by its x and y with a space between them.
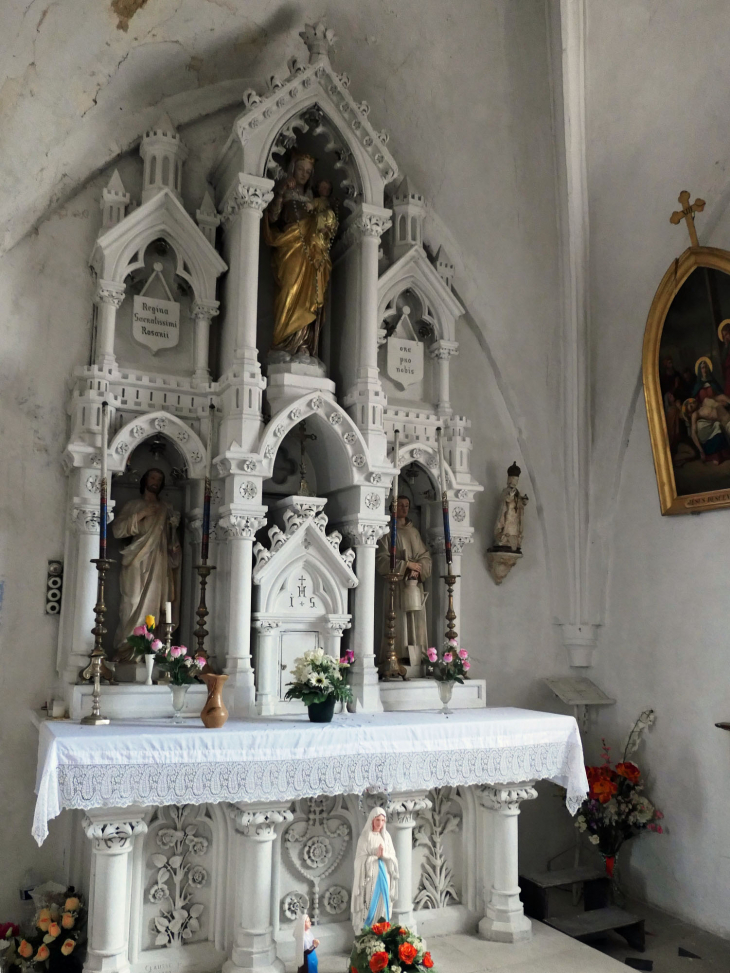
pixel 156 322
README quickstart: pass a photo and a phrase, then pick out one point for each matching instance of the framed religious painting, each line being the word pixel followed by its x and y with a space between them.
pixel 686 372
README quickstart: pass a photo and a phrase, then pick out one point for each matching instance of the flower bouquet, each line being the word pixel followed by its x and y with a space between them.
pixel 143 639
pixel 183 670
pixel 58 934
pixel 616 808
pixel 390 948
pixel 453 665
pixel 319 681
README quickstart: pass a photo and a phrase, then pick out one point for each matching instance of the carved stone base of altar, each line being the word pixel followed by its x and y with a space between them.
pixel 135 700
pixel 422 694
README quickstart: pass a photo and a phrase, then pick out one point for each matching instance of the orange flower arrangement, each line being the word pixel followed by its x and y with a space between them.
pixel 382 947
pixel 628 770
pixel 68 947
pixel 57 933
pixel 427 961
pixel 603 790
pixel 380 927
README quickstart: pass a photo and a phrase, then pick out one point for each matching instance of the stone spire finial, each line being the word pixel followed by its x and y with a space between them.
pixel 319 38
pixel 163 154
pixel 409 212
pixel 208 218
pixel 114 201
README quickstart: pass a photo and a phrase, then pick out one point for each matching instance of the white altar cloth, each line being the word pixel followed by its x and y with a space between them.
pixel 153 762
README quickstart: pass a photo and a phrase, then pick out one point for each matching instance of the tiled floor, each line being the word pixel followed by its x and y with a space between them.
pixel 552 952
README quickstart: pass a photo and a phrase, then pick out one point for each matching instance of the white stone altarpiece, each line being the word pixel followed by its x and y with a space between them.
pixel 201 858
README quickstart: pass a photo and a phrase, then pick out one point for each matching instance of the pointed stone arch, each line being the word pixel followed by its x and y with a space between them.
pixel 161 423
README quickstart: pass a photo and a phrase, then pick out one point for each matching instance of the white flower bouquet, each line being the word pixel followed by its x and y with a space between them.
pixel 317 678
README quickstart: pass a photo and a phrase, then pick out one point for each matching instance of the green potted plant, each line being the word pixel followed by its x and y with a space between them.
pixel 319 681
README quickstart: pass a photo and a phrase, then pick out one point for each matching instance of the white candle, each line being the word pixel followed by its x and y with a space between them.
pixel 442 464
pixel 209 470
pixel 104 438
pixel 396 450
pixel 168 612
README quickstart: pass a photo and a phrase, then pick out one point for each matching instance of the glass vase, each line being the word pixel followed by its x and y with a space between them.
pixel 178 701
pixel 149 664
pixel 446 688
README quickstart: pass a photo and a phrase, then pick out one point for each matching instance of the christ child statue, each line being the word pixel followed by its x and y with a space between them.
pixel 375 884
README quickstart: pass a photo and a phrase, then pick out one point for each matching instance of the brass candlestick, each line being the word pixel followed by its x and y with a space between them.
pixel 201 611
pixel 392 668
pixel 97 667
pixel 450 580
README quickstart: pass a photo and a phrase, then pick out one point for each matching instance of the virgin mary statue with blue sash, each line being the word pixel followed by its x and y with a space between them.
pixel 375 883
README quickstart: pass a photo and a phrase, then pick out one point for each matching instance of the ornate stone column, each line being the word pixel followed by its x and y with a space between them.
pixel 402 810
pixel 242 209
pixel 365 400
pixel 203 312
pixel 112 833
pixel 333 639
pixel 254 949
pixel 267 658
pixel 363 676
pixel 85 519
pixel 239 530
pixel 505 920
pixel 441 351
pixel 108 299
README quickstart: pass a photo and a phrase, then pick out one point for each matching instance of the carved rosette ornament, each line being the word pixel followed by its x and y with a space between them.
pixel 317 845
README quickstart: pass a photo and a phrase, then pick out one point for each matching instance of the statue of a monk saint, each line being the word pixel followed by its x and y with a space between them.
pixel 508 529
pixel 150 573
pixel 375 882
pixel 300 229
pixel 413 565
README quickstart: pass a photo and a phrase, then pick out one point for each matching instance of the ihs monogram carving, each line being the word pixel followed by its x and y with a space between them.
pixel 317 845
pixel 436 888
pixel 178 874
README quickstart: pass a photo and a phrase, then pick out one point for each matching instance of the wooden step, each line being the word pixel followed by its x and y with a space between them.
pixel 586 925
pixel 565 876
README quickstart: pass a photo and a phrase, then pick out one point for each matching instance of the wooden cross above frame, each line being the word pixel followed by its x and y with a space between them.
pixel 687 213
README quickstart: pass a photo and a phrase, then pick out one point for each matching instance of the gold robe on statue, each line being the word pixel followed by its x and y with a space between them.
pixel 150 573
pixel 302 269
pixel 409 547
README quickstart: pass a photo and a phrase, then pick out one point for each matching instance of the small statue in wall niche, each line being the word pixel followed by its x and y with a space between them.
pixel 508 528
pixel 150 572
pixel 305 945
pixel 300 228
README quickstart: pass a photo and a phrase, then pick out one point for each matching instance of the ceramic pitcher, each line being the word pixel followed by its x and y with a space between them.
pixel 214 714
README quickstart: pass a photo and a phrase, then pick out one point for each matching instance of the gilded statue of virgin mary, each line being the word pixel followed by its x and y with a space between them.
pixel 300 228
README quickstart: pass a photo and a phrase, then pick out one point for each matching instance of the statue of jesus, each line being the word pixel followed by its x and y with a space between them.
pixel 150 574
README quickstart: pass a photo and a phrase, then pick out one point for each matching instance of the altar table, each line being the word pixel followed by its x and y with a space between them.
pixel 256 768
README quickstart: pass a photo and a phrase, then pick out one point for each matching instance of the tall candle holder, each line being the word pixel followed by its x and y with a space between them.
pixel 392 667
pixel 201 611
pixel 97 667
pixel 450 579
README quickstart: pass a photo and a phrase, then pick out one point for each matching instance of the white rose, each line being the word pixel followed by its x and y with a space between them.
pixel 594 839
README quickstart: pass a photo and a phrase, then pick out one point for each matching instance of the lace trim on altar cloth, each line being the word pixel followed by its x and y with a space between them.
pixel 114 785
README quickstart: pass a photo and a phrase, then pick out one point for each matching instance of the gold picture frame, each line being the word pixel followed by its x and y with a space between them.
pixel 679 459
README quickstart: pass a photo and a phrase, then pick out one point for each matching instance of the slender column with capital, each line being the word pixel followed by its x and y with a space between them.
pixel 240 530
pixel 505 920
pixel 108 299
pixel 402 811
pixel 203 312
pixel 112 833
pixel 242 208
pixel 442 351
pixel 254 949
pixel 363 675
pixel 267 665
pixel 85 518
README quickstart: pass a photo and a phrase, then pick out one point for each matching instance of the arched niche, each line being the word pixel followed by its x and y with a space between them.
pixel 339 454
pixel 164 453
pixel 164 424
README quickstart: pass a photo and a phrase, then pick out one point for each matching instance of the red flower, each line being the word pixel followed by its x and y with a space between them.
pixel 8 929
pixel 407 952
pixel 378 961
pixel 427 961
pixel 628 770
pixel 380 928
pixel 604 790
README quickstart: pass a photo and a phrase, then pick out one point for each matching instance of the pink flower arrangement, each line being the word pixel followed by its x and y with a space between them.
pixel 348 658
pixel 183 668
pixel 143 638
pixel 454 663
